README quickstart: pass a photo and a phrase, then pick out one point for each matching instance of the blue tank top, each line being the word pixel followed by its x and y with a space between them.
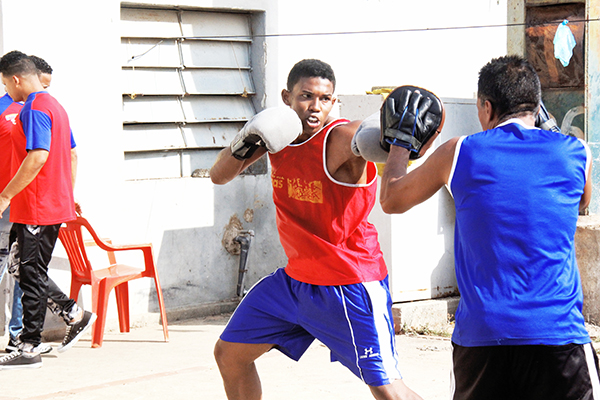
pixel 517 191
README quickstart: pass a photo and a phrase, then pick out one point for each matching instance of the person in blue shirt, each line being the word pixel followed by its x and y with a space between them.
pixel 518 191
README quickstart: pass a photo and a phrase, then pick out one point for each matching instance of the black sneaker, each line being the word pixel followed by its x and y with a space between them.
pixel 13 345
pixel 75 331
pixel 20 360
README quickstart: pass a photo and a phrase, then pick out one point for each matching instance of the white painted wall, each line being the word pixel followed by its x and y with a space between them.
pixel 418 246
pixel 184 218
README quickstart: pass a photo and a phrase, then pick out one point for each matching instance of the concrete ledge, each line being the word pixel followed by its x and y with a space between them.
pixel 202 310
pixel 587 248
pixel 433 315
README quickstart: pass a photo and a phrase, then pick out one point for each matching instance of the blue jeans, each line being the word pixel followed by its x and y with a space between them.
pixel 16 320
pixel 5 226
pixel 15 325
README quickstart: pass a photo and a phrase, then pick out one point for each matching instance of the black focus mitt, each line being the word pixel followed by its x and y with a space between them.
pixel 410 117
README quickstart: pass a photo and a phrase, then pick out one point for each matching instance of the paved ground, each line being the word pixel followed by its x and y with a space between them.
pixel 139 365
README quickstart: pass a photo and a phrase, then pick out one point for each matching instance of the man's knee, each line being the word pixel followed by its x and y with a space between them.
pixel 238 355
pixel 220 352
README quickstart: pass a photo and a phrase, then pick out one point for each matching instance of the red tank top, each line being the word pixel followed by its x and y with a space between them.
pixel 323 223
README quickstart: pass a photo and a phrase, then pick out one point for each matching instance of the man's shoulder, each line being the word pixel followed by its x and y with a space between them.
pixel 342 127
pixel 45 103
pixel 40 99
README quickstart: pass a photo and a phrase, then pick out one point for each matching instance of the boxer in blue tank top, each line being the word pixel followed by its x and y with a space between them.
pixel 518 191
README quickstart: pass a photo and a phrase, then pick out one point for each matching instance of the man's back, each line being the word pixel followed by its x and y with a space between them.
pixel 517 191
pixel 8 113
pixel 44 124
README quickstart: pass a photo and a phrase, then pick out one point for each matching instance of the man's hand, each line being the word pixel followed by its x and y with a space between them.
pixel 4 203
pixel 273 129
pixel 410 117
pixel 29 169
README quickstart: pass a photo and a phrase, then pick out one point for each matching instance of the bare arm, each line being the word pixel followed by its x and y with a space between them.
pixel 73 166
pixel 400 191
pixel 74 176
pixel 342 164
pixel 587 191
pixel 29 169
pixel 228 167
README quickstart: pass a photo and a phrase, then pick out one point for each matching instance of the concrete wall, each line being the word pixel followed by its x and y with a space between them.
pixel 185 219
pixel 418 246
pixel 587 247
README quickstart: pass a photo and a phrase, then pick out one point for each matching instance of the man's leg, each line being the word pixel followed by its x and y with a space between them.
pixel 77 319
pixel 62 305
pixel 268 313
pixel 15 325
pixel 236 364
pixel 5 226
pixel 355 322
pixel 36 243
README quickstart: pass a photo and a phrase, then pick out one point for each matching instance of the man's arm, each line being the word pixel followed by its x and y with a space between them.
pixel 587 190
pixel 74 176
pixel 73 167
pixel 228 167
pixel 270 130
pixel 342 163
pixel 400 191
pixel 29 169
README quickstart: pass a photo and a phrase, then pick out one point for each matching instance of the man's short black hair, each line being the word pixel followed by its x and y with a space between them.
pixel 17 63
pixel 511 85
pixel 310 68
pixel 41 65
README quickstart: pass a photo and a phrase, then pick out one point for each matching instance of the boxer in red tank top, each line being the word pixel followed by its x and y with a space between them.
pixel 334 287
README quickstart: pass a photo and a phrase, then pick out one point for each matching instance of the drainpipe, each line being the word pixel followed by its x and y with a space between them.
pixel 244 238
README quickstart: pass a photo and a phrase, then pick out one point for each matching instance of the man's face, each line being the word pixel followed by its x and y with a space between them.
pixel 312 99
pixel 11 85
pixel 45 79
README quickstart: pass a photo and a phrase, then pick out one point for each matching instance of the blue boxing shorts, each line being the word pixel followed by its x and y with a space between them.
pixel 353 321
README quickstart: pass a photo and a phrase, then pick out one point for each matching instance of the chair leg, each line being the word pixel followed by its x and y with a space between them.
pixel 122 295
pixel 161 307
pixel 75 288
pixel 99 306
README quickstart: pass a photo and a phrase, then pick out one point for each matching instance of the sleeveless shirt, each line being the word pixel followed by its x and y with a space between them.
pixel 517 191
pixel 323 223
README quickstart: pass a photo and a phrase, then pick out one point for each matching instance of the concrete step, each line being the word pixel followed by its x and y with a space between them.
pixel 434 316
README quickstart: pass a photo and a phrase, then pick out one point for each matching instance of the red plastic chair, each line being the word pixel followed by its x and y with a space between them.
pixel 104 280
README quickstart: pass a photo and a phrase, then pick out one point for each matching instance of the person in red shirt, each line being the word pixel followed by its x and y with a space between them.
pixel 40 195
pixel 334 287
pixel 58 302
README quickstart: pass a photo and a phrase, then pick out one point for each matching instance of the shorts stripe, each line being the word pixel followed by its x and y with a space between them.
pixel 452 376
pixel 343 297
pixel 387 343
pixel 592 370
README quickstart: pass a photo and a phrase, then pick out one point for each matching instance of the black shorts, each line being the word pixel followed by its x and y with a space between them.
pixel 541 372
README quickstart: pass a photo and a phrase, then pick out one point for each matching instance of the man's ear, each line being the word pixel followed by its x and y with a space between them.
pixel 489 110
pixel 285 96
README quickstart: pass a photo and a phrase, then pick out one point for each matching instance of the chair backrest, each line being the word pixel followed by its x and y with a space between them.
pixel 72 240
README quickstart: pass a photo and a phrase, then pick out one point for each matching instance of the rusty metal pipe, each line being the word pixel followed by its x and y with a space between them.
pixel 244 238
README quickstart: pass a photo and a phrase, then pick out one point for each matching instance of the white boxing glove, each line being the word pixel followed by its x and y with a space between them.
pixel 366 140
pixel 273 128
